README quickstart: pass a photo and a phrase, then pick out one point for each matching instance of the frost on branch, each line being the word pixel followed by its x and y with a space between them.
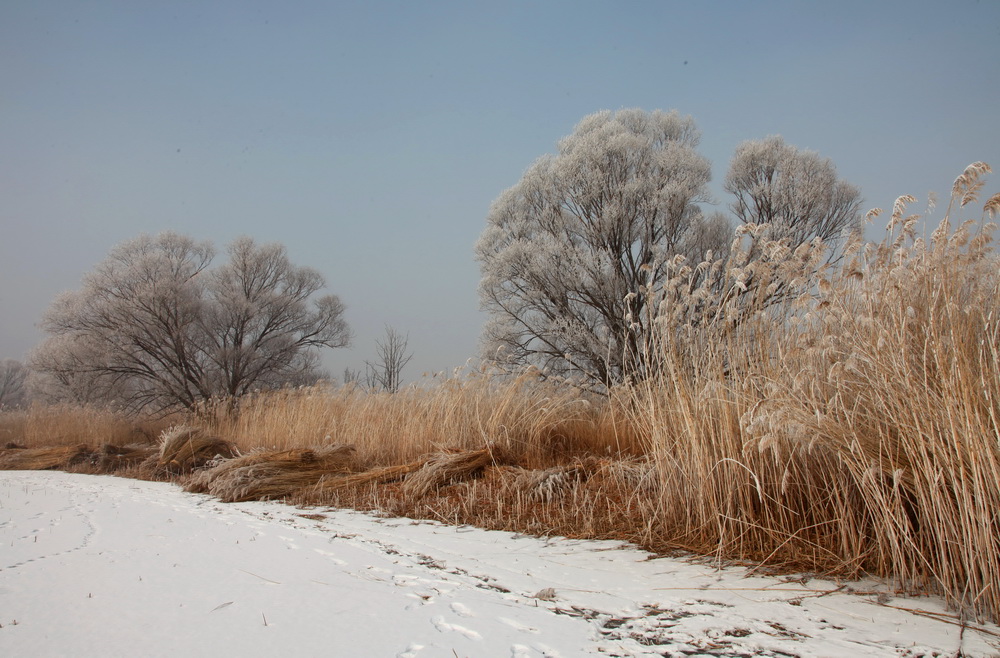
pixel 797 193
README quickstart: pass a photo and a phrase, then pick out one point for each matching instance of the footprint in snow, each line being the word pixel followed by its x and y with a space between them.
pixel 445 627
pixel 461 610
pixel 412 651
pixel 522 651
pixel 331 556
pixel 518 626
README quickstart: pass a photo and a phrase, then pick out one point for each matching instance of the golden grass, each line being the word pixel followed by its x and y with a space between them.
pixel 67 424
pixel 904 374
pixel 111 458
pixel 446 468
pixel 540 423
pixel 375 476
pixel 856 430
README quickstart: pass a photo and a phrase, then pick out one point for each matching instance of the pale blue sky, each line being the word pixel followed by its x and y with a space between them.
pixel 371 137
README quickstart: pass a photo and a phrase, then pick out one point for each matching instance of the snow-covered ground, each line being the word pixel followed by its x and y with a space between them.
pixel 102 566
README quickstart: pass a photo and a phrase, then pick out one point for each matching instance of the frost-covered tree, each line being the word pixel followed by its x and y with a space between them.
pixel 154 327
pixel 797 193
pixel 12 384
pixel 570 252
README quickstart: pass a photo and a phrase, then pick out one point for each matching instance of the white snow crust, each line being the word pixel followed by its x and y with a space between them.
pixel 104 566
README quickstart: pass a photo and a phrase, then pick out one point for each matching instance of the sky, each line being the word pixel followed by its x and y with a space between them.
pixel 370 138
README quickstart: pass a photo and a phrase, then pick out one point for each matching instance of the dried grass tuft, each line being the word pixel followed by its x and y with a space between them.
pixel 383 475
pixel 447 468
pixel 183 449
pixel 992 206
pixel 547 484
pixel 967 185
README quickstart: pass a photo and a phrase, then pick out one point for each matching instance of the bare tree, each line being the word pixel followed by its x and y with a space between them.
pixel 570 252
pixel 155 327
pixel 12 384
pixel 797 193
pixel 385 373
pixel 353 377
pixel 259 324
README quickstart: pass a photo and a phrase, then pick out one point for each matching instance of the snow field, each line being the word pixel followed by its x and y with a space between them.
pixel 103 566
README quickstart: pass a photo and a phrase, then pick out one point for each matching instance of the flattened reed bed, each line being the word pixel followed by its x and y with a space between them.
pixel 268 475
pixel 111 458
pixel 42 459
pixel 375 476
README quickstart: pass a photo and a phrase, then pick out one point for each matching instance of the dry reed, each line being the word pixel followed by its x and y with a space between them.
pixel 537 422
pixel 374 476
pixel 547 484
pixel 110 458
pixel 69 424
pixel 853 429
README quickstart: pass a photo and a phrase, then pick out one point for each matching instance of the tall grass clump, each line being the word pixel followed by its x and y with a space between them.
pixel 903 378
pixel 850 423
pixel 525 419
pixel 722 331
